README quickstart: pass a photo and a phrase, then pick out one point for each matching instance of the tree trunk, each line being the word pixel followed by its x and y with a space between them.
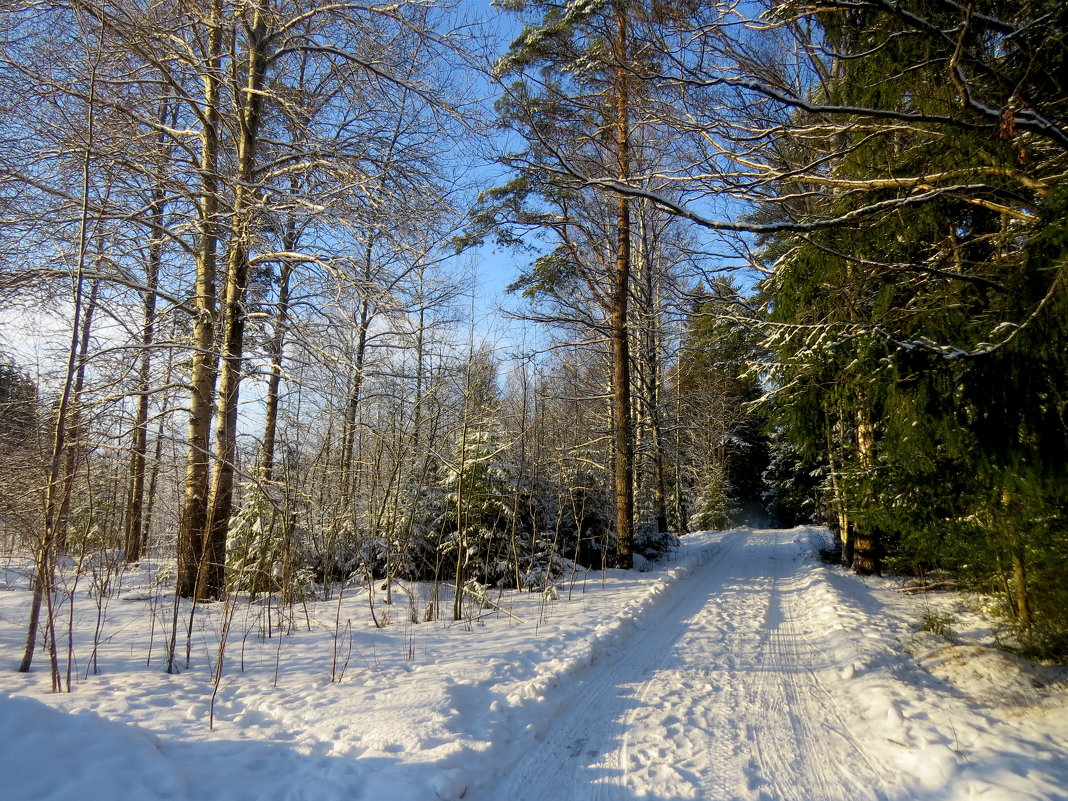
pixel 681 512
pixel 622 432
pixel 841 510
pixel 461 523
pixel 277 350
pixel 648 372
pixel 44 567
pixel 656 431
pixel 623 435
pixel 75 443
pixel 866 557
pixel 213 564
pixel 135 506
pixel 194 520
pixel 1019 587
pixel 352 405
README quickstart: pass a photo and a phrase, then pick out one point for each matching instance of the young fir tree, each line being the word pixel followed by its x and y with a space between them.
pixel 476 518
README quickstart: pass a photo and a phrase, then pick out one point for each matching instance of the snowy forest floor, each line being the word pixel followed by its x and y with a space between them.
pixel 742 670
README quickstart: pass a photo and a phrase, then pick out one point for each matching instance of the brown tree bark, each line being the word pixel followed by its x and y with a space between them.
pixel 1019 587
pixel 212 570
pixel 194 520
pixel 75 447
pixel 134 540
pixel 841 507
pixel 623 434
pixel 274 384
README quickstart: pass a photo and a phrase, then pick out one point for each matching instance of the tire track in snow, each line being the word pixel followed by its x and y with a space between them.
pixel 582 750
pixel 716 696
pixel 805 749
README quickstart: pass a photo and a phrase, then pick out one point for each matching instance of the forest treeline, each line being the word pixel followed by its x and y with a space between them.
pixel 775 262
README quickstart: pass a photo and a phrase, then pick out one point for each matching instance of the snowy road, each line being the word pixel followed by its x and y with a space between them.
pixel 720 694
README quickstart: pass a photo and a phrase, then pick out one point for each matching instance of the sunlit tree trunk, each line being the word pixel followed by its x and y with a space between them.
pixel 194 521
pixel 865 541
pixel 212 566
pixel 623 434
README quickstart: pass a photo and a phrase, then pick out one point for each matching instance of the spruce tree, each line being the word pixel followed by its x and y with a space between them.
pixel 922 344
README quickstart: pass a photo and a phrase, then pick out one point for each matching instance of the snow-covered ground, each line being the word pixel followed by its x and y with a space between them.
pixel 742 670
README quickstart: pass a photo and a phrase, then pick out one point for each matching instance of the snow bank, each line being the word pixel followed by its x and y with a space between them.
pixel 958 718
